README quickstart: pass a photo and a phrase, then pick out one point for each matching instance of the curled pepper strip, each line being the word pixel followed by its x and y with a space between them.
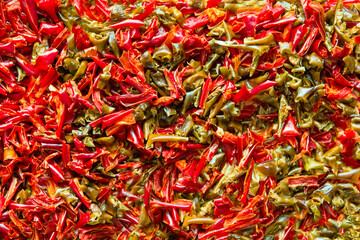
pixel 128 23
pixel 246 95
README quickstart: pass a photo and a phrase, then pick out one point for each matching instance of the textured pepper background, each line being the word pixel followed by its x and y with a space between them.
pixel 195 119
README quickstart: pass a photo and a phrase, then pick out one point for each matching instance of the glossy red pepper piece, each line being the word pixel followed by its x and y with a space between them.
pixel 308 42
pixel 247 95
pixel 29 7
pixel 290 129
pixel 46 58
pixel 74 184
pixel 51 29
pixel 133 23
pixel 195 23
pixel 298 35
pixel 207 155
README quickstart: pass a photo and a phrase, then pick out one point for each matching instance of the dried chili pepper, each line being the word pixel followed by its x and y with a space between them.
pixel 188 120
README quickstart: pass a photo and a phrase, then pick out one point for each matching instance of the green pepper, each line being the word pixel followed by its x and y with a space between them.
pixel 355 124
pixel 349 65
pixel 268 40
pixel 190 82
pixel 119 12
pixel 164 138
pixel 316 60
pixel 99 40
pixel 88 141
pixel 20 74
pixel 104 77
pixel 284 109
pixel 163 54
pixel 210 62
pixel 165 15
pixel 185 129
pixel 81 70
pixel 95 27
pixel 147 60
pixel 230 110
pixel 192 97
pixel 167 116
pixel 71 64
pixel 114 45
pixel 105 141
pixel 178 54
pixel 149 127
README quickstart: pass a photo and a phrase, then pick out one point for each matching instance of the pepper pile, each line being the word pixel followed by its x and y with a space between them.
pixel 195 119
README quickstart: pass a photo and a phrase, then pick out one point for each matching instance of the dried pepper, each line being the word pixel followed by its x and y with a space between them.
pixel 179 119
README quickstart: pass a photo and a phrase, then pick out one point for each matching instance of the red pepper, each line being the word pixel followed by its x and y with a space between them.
pixel 247 95
pixel 205 92
pixel 83 220
pixel 194 23
pixel 247 183
pixel 276 11
pixel 56 172
pixel 110 119
pixel 74 184
pixel 131 64
pixel 135 138
pixel 128 100
pixel 47 80
pixel 10 193
pixel 102 7
pixel 290 18
pixel 315 15
pixel 309 40
pixel 82 40
pixel 49 6
pixel 148 7
pixel 25 65
pixel 298 35
pixel 206 156
pixel 29 7
pixel 99 62
pixel 4 228
pixel 357 39
pixel 212 3
pixel 66 153
pixel 288 229
pixel 133 23
pixel 19 206
pixel 250 25
pixel 245 160
pixel 46 58
pixel 169 220
pixel 303 181
pixel 180 204
pixel 8 48
pixel 319 48
pixel 228 89
pixel 339 52
pixel 51 29
pixel 151 30
pixel 236 25
pixel 337 94
pixel 7 72
pixel 290 129
pixel 60 38
pixel 172 84
pixel 342 81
